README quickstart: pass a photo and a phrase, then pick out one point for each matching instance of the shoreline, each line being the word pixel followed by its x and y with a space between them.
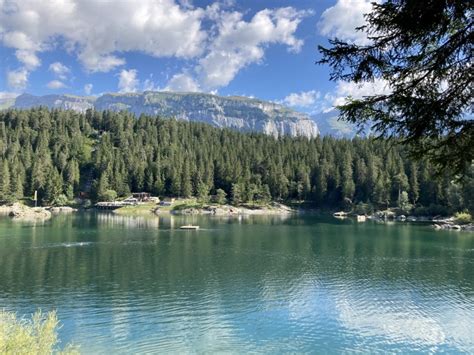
pixel 184 209
pixel 21 212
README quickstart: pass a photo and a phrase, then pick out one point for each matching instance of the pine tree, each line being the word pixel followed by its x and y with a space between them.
pixel 203 193
pixel 414 186
pixel 5 194
pixel 348 186
pixel 221 197
pixel 236 194
pixel 53 188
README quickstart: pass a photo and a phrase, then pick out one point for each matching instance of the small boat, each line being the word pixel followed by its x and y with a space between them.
pixel 189 227
pixel 361 218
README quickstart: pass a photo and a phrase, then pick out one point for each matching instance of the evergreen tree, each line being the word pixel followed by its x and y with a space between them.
pixel 221 197
pixel 237 197
pixel 203 193
pixel 5 194
pixel 59 152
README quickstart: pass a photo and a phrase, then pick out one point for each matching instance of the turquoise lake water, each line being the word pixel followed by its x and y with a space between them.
pixel 301 284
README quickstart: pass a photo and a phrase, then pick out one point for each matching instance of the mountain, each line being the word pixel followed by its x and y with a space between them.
pixel 240 113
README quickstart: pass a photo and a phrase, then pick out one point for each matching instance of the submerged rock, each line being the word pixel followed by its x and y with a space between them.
pixel 62 209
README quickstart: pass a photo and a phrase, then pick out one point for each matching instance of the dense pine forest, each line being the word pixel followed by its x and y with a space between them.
pixel 104 155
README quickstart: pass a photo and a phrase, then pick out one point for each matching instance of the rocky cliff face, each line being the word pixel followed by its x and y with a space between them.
pixel 65 102
pixel 240 113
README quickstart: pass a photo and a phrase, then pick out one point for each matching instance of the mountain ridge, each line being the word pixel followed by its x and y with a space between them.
pixel 235 112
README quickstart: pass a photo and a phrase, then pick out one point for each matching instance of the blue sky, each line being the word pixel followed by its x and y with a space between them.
pixel 260 48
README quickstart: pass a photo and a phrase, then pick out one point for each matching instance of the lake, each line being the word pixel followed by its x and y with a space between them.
pixel 257 284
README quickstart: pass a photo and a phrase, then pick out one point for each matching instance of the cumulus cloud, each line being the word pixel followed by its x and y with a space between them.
pixel 59 69
pixel 219 41
pixel 28 58
pixel 18 79
pixel 25 47
pixel 56 84
pixel 88 89
pixel 240 43
pixel 342 19
pixel 182 82
pixel 7 95
pixel 302 99
pixel 158 28
pixel 128 81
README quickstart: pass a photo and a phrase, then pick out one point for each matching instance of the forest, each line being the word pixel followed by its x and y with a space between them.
pixel 64 155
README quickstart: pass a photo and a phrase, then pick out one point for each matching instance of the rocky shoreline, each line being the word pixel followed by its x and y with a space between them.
pixel 228 210
pixel 20 212
pixel 450 224
pixel 383 216
pixel 24 213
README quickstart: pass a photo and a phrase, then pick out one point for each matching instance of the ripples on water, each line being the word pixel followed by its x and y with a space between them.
pixel 302 284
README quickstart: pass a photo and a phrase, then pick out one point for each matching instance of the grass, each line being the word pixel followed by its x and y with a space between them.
pixel 147 208
pixel 186 203
pixel 37 335
pixel 136 210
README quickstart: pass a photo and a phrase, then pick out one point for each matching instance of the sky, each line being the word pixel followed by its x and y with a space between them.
pixel 258 48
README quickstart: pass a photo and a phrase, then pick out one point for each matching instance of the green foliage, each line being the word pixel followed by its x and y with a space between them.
pixel 432 210
pixel 422 51
pixel 363 208
pixel 221 197
pixel 45 151
pixel 463 217
pixel 404 202
pixel 37 335
pixel 5 194
pixel 203 193
pixel 237 197
pixel 109 195
pixel 61 200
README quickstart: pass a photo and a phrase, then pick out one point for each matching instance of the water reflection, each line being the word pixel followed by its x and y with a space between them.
pixel 134 284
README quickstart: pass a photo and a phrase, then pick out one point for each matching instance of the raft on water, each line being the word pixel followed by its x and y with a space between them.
pixel 189 227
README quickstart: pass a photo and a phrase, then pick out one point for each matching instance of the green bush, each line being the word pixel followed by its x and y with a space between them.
pixel 61 200
pixel 108 195
pixel 37 335
pixel 463 217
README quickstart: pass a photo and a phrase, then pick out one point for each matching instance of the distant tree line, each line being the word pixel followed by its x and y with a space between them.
pixel 104 155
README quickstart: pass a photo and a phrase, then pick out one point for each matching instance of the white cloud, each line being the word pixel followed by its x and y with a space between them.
pixel 128 81
pixel 166 28
pixel 100 63
pixel 7 95
pixel 28 58
pixel 56 84
pixel 149 85
pixel 95 30
pixel 88 89
pixel 302 99
pixel 25 47
pixel 342 19
pixel 182 82
pixel 358 91
pixel 18 79
pixel 240 43
pixel 60 70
